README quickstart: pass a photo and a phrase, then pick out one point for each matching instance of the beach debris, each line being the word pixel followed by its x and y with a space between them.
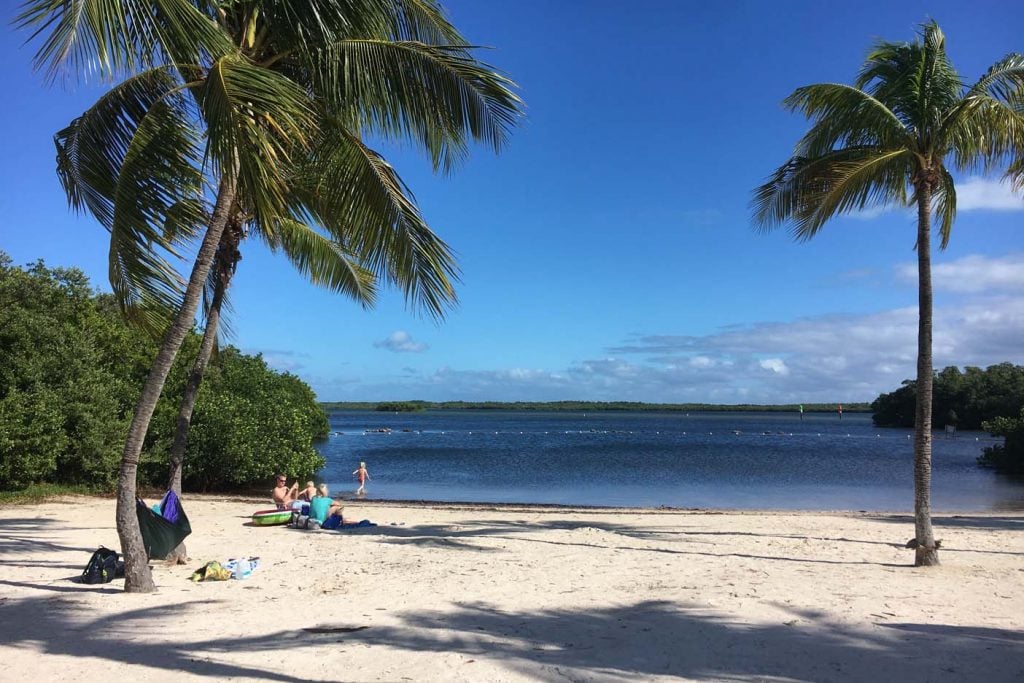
pixel 913 544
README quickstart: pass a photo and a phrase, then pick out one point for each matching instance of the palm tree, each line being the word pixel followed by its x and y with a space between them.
pixel 895 130
pixel 258 109
pixel 323 261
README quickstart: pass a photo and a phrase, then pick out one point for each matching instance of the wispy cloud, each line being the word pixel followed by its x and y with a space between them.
pixel 973 274
pixel 824 358
pixel 987 194
pixel 401 342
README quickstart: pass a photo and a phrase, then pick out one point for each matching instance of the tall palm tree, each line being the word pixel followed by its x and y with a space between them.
pixel 258 108
pixel 890 139
pixel 323 261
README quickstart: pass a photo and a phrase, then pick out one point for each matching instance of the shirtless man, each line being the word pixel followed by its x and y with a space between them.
pixel 283 495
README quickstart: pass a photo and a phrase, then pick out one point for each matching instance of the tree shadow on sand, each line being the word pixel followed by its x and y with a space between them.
pixel 26 536
pixel 64 626
pixel 641 640
pixel 516 531
pixel 662 638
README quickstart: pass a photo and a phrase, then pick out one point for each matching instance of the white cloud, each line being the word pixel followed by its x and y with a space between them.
pixel 825 358
pixel 776 365
pixel 987 193
pixel 401 342
pixel 973 274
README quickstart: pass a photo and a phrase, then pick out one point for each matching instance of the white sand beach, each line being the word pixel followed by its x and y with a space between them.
pixel 480 593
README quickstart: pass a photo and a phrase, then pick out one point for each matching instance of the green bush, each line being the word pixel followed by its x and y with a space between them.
pixel 1008 457
pixel 965 399
pixel 249 423
pixel 70 373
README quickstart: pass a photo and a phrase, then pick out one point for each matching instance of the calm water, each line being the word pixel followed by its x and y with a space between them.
pixel 715 460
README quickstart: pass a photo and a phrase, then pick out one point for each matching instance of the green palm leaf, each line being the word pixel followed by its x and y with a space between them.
pixel 359 198
pixel 108 38
pixel 325 262
pixel 437 95
pixel 255 118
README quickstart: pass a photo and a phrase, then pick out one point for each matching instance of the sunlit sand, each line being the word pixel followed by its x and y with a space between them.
pixel 479 593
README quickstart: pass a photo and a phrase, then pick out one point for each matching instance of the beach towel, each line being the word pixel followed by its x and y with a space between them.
pixel 355 525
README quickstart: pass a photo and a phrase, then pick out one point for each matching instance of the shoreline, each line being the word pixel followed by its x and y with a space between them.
pixel 350 500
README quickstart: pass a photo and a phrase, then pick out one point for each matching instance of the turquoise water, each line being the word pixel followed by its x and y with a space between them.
pixel 700 460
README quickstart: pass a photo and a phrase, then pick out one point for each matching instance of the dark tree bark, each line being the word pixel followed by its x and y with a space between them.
pixel 926 553
pixel 137 575
pixel 224 268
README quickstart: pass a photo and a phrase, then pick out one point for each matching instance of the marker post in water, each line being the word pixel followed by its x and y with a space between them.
pixel 801 412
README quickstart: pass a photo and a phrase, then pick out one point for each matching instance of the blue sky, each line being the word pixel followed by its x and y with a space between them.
pixel 608 254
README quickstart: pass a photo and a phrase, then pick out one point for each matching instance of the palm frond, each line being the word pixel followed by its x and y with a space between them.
pixel 325 262
pixel 159 168
pixel 254 119
pixel 129 160
pixel 358 198
pixel 109 38
pixel 844 116
pixel 915 80
pixel 944 203
pixel 987 126
pixel 809 192
pixel 439 96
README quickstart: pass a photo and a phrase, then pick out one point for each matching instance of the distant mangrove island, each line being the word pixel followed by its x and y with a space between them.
pixel 591 406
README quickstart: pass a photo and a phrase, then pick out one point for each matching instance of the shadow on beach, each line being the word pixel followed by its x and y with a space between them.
pixel 644 639
pixel 25 536
pixel 460 538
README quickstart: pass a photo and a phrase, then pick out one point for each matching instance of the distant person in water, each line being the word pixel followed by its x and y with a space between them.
pixel 307 493
pixel 362 475
pixel 282 494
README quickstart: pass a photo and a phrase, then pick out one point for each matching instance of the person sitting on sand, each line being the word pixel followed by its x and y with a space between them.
pixel 284 495
pixel 321 506
pixel 307 493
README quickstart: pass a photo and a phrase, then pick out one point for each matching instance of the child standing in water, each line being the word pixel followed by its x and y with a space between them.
pixel 362 475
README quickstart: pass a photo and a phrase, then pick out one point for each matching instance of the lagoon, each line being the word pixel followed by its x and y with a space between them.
pixel 633 459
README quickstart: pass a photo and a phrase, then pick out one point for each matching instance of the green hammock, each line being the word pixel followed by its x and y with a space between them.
pixel 163 531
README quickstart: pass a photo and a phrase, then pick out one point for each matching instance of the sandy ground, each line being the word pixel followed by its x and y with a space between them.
pixel 479 593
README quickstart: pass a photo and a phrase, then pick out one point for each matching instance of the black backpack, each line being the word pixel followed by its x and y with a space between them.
pixel 103 567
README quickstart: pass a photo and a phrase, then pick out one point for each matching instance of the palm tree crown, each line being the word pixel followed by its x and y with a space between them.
pixel 907 119
pixel 276 97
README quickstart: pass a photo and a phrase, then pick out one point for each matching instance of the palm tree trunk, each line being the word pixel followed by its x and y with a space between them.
pixel 925 553
pixel 224 267
pixel 138 578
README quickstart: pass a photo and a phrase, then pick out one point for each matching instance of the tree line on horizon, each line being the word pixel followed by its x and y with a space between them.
pixel 596 406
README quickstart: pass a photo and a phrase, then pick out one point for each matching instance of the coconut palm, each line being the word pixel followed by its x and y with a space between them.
pixel 258 111
pixel 891 138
